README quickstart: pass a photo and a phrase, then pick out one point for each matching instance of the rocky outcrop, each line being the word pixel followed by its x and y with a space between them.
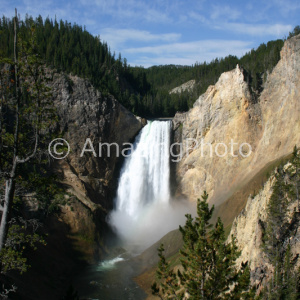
pixel 187 86
pixel 89 120
pixel 84 113
pixel 225 114
pixel 75 231
pixel 229 113
pixel 248 229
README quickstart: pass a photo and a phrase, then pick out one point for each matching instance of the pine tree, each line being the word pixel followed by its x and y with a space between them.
pixel 25 111
pixel 208 262
pixel 276 220
pixel 294 173
pixel 169 282
pixel 284 284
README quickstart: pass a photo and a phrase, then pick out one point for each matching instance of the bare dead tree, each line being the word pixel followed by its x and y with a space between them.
pixel 24 111
pixel 6 291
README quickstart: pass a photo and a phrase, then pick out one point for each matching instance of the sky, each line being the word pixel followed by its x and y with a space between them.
pixel 181 32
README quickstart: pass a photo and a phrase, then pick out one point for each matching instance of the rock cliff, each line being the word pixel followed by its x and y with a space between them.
pixel 90 179
pixel 229 115
pixel 187 86
pixel 76 233
pixel 84 113
pixel 248 229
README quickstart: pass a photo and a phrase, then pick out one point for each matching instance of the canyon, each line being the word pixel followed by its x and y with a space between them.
pixel 229 111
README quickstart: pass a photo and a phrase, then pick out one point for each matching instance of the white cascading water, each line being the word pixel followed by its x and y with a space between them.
pixel 143 193
pixel 146 175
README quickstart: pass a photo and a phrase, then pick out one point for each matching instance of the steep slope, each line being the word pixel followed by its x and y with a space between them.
pixel 187 86
pixel 77 233
pixel 249 228
pixel 229 113
pixel 84 113
pixel 225 112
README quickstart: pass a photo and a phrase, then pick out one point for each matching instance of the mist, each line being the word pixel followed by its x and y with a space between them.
pixel 150 223
pixel 144 210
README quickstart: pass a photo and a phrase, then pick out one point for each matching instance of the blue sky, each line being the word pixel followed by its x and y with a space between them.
pixel 171 32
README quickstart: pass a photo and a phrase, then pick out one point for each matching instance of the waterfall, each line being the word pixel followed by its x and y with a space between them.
pixel 146 174
pixel 144 184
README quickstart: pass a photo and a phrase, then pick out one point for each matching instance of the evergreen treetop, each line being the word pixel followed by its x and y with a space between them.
pixel 208 263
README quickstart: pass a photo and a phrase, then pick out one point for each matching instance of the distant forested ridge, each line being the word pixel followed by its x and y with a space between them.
pixel 70 48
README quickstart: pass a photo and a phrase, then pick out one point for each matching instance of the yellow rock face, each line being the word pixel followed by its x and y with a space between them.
pixel 229 113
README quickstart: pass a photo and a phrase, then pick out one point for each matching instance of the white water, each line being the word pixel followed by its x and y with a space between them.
pixel 146 174
pixel 143 194
pixel 109 264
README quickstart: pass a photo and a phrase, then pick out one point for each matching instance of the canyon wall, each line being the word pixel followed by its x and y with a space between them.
pixel 248 229
pixel 89 180
pixel 230 113
pixel 84 113
pixel 77 232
